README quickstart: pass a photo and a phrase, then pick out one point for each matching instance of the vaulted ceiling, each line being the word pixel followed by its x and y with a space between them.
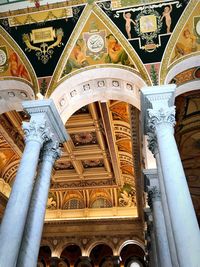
pixel 44 44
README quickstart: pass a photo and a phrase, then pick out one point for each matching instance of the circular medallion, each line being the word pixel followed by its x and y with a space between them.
pixel 3 57
pixel 198 27
pixel 95 43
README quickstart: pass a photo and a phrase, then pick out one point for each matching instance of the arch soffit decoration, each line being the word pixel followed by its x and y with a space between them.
pixel 165 63
pixel 140 69
pixel 23 58
pixel 93 85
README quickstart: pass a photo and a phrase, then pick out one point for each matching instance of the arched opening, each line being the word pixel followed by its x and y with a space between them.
pixel 44 257
pixel 70 254
pixel 99 254
pixel 132 255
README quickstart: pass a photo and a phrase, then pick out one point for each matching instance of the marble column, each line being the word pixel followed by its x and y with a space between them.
pixel 12 226
pixel 30 245
pixel 160 119
pixel 154 201
pixel 151 241
pixel 153 147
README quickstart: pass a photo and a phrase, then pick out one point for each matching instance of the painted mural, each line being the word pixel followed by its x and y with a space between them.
pixel 147 25
pixel 10 63
pixel 96 45
pixel 189 38
pixel 43 35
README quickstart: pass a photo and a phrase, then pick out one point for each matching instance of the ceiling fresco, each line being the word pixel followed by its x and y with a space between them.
pixel 42 36
pixel 188 41
pixel 147 27
pixel 96 45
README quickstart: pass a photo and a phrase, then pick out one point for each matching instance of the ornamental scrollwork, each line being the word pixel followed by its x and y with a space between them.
pixel 35 131
pixel 163 115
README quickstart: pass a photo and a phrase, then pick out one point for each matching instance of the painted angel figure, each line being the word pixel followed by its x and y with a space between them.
pixel 127 17
pixel 167 16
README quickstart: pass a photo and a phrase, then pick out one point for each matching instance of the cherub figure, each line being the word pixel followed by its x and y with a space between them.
pixel 127 17
pixel 167 16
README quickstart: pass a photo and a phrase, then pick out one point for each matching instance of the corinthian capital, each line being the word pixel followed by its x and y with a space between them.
pixel 36 131
pixel 160 116
pixel 152 143
pixel 153 195
pixel 51 151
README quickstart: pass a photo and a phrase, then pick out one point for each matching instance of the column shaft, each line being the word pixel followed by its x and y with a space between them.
pixel 154 259
pixel 168 226
pixel 34 224
pixel 183 218
pixel 13 222
pixel 160 230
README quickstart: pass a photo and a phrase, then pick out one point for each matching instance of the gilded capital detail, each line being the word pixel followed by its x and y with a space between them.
pixel 51 151
pixel 36 131
pixel 153 195
pixel 163 115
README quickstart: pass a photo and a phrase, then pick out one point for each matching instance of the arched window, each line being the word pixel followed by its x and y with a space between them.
pixel 101 203
pixel 74 203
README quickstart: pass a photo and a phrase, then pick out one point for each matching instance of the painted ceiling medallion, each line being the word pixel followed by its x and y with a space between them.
pixel 3 59
pixel 84 138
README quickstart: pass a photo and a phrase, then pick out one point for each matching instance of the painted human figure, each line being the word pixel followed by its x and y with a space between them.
pixel 127 17
pixel 167 16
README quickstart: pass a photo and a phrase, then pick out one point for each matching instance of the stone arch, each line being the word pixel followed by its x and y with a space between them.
pixel 190 62
pixel 92 245
pixel 99 84
pixel 130 242
pixel 12 93
pixel 65 243
pixel 46 243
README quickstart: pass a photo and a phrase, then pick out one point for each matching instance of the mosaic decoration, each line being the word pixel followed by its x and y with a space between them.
pixel 96 45
pixel 189 38
pixel 147 26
